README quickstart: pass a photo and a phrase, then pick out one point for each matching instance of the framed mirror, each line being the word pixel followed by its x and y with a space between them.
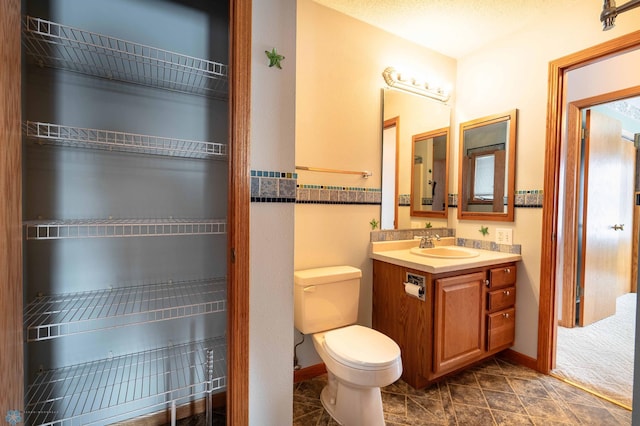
pixel 405 115
pixel 486 172
pixel 429 172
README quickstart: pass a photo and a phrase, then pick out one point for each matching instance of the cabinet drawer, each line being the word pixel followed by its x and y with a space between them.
pixel 500 299
pixel 500 277
pixel 501 329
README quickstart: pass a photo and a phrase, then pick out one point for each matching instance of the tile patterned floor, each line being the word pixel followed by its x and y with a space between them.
pixel 495 392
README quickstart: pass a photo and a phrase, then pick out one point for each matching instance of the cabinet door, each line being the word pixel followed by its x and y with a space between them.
pixel 459 334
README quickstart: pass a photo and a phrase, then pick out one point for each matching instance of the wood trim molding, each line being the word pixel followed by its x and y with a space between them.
pixel 238 214
pixel 309 372
pixel 553 160
pixel 518 358
pixel 11 358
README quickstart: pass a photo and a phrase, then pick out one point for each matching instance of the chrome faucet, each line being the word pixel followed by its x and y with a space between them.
pixel 427 241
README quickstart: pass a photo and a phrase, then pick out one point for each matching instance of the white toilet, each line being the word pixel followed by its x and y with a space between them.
pixel 359 360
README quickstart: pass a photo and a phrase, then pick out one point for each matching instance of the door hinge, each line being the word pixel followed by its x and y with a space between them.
pixel 233 255
pixel 583 133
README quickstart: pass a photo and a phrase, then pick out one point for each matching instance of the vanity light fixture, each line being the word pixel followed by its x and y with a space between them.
pixel 610 11
pixel 396 80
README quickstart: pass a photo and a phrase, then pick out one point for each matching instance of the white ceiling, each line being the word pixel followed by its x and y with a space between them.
pixel 456 28
pixel 451 27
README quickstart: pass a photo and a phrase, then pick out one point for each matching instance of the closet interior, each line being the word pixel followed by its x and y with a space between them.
pixel 125 183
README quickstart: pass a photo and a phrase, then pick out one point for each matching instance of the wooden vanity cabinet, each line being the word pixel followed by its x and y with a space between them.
pixel 466 316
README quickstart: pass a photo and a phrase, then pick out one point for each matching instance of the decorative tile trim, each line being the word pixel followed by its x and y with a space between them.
pixel 489 245
pixel 273 187
pixel 523 199
pixel 330 194
pixel 530 198
pixel 453 200
pixel 409 234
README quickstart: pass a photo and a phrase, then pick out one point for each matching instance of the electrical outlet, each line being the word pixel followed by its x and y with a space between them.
pixel 504 236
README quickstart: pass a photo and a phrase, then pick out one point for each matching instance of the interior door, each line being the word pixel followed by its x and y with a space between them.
pixel 606 257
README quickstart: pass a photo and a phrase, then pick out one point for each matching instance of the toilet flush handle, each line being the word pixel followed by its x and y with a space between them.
pixel 310 289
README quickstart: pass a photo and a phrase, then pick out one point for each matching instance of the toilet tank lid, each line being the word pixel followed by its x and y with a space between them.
pixel 325 275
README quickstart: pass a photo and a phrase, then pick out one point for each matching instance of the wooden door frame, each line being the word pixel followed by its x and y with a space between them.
pixel 554 161
pixel 11 361
pixel 11 286
pixel 571 197
pixel 238 213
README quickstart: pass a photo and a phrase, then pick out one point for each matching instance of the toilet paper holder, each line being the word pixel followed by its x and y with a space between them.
pixel 414 285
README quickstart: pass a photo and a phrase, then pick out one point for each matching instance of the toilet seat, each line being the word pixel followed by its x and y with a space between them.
pixel 361 347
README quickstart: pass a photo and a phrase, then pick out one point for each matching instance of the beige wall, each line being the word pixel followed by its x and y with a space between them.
pixel 337 119
pixel 512 73
pixel 271 224
pixel 338 125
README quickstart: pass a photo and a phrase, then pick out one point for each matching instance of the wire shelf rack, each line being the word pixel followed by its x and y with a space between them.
pixel 50 317
pixel 79 137
pixel 115 389
pixel 60 46
pixel 106 228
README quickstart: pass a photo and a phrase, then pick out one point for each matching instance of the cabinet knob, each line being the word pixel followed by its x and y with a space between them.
pixel 506 292
pixel 507 270
pixel 506 315
pixel 486 282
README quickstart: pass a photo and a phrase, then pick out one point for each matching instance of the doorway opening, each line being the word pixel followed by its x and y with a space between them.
pixel 597 301
pixel 554 227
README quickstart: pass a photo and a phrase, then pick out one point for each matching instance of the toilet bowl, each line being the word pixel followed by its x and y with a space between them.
pixel 359 362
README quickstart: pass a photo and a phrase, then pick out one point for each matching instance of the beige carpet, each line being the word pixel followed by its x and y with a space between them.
pixel 599 357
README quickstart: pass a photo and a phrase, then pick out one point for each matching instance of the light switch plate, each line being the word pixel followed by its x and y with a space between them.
pixel 504 236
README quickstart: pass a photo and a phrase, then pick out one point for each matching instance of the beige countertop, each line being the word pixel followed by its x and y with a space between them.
pixel 398 253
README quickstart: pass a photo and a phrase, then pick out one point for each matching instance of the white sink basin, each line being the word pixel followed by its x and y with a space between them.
pixel 445 252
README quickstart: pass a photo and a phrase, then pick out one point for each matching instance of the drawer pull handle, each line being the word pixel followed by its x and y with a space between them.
pixel 507 270
pixel 506 292
pixel 506 315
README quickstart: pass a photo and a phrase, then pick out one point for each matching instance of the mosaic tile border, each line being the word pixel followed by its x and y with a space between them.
pixel 282 187
pixel 489 245
pixel 273 187
pixel 529 198
pixel 330 194
pixel 409 234
pixel 532 198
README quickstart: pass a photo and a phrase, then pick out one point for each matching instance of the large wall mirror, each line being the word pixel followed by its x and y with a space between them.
pixel 429 171
pixel 486 181
pixel 406 116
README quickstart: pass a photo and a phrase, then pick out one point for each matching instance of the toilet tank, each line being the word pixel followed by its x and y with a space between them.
pixel 326 298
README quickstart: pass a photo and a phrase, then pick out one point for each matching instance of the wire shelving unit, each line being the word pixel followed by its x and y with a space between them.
pixel 50 317
pixel 79 137
pixel 60 46
pixel 117 388
pixel 110 228
pixel 106 391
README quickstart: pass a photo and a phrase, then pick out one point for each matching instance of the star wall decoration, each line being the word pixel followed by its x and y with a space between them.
pixel 274 58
